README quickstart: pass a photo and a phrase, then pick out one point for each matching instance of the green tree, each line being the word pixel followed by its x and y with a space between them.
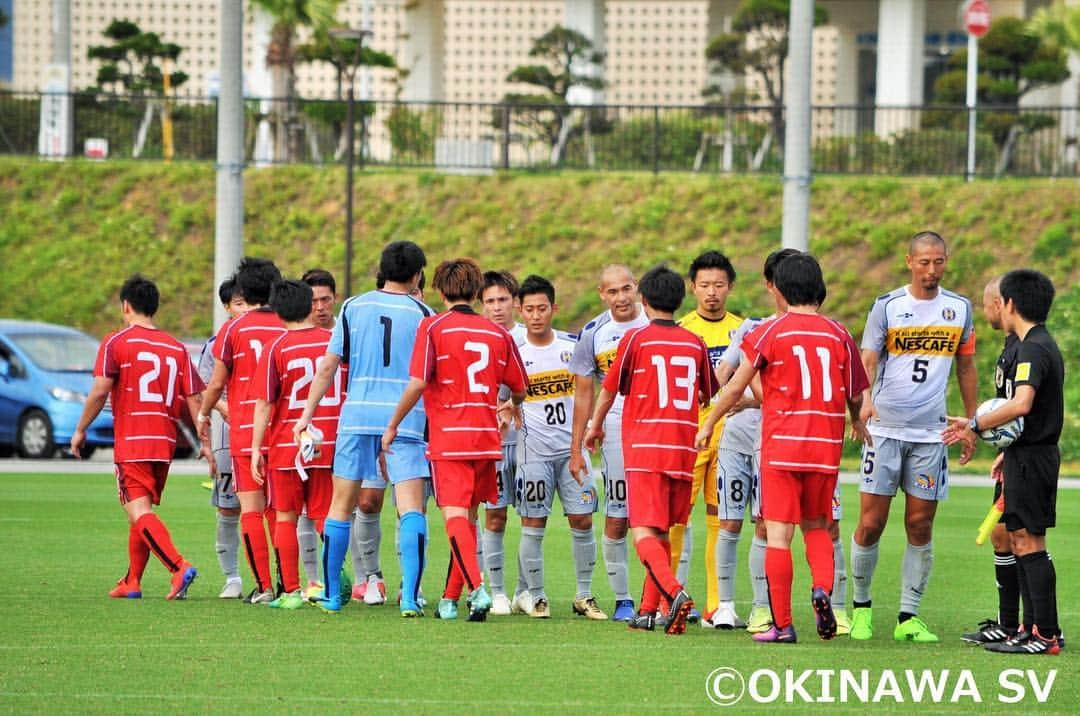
pixel 1059 24
pixel 132 62
pixel 1012 62
pixel 758 44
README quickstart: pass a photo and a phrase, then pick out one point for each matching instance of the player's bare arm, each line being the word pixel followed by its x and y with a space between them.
pixel 409 398
pixel 723 372
pixel 258 433
pixel 967 377
pixel 870 365
pixel 731 395
pixel 859 431
pixel 95 402
pixel 324 378
pixel 584 397
pixel 194 403
pixel 211 397
pixel 1018 406
pixel 595 434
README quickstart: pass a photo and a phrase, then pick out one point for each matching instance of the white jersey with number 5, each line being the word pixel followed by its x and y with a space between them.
pixel 596 348
pixel 916 341
pixel 548 410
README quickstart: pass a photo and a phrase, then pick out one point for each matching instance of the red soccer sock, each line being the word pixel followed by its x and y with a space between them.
pixel 287 548
pixel 650 597
pixel 462 535
pixel 454 581
pixel 156 536
pixel 778 574
pixel 270 516
pixel 138 555
pixel 819 555
pixel 655 554
pixel 256 548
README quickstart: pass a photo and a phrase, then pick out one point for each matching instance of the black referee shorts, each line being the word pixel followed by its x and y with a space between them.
pixel 1031 477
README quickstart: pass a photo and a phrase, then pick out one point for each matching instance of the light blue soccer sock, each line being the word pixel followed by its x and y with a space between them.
pixel 758 583
pixel 727 546
pixel 584 542
pixel 683 571
pixel 308 539
pixel 863 563
pixel 839 590
pixel 914 575
pixel 413 541
pixel 531 552
pixel 335 544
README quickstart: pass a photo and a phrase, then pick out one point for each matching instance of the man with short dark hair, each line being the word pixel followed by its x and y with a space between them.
pixel 147 374
pixel 1030 465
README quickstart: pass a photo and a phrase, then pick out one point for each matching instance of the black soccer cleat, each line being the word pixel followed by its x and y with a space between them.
pixel 1033 644
pixel 642 622
pixel 678 613
pixel 990 632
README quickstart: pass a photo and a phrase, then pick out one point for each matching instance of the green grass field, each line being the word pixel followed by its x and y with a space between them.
pixel 66 647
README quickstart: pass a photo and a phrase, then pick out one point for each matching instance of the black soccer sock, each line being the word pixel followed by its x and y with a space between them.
pixel 1042 581
pixel 903 617
pixel 862 605
pixel 1025 595
pixel 1008 585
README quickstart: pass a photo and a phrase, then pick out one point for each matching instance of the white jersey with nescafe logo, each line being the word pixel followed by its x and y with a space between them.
pixel 548 411
pixel 510 434
pixel 596 348
pixel 916 341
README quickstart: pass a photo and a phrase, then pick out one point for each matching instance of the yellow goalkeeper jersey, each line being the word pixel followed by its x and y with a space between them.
pixel 717 336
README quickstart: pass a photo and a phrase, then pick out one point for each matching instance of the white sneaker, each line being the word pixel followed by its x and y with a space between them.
pixel 233 589
pixel 500 606
pixel 261 597
pixel 522 604
pixel 724 617
pixel 375 593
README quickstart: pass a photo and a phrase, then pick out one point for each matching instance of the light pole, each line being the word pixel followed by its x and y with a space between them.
pixel 337 36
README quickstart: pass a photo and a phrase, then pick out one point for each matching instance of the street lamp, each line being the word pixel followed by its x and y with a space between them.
pixel 339 35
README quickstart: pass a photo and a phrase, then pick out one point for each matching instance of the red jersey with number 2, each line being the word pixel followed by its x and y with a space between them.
pixel 663 372
pixel 239 345
pixel 152 374
pixel 464 358
pixel 283 378
pixel 809 367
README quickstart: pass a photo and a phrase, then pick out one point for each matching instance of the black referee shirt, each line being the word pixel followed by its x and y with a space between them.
pixel 1039 364
pixel 1006 368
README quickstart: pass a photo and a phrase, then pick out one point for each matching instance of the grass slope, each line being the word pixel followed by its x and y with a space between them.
pixel 65 647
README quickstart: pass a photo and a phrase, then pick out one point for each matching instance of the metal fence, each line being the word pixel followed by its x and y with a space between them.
pixel 925 140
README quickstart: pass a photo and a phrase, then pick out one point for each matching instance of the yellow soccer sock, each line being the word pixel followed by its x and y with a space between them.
pixel 712 532
pixel 675 537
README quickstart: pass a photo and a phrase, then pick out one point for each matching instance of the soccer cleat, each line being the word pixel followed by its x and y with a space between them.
pixel 313 591
pixel 124 590
pixel 624 610
pixel 257 597
pixel 540 609
pixel 479 604
pixel 288 600
pixel 826 620
pixel 358 590
pixel 208 485
pixel 331 605
pixel 233 589
pixel 862 623
pixel 375 594
pixel 447 609
pixel 777 636
pixel 521 603
pixel 760 620
pixel 723 617
pixel 678 613
pixel 693 617
pixel 990 632
pixel 181 580
pixel 500 605
pixel 411 612
pixel 843 622
pixel 1034 643
pixel 914 629
pixel 642 622
pixel 587 607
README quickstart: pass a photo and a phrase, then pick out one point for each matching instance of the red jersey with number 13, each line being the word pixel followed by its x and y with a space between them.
pixel 663 372
pixel 152 374
pixel 283 378
pixel 809 367
pixel 239 345
pixel 464 358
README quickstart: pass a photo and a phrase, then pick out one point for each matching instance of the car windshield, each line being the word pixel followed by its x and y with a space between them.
pixel 64 352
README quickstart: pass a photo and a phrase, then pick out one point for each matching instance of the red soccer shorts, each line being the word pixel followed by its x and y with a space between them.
pixel 464 483
pixel 288 493
pixel 241 465
pixel 791 497
pixel 654 499
pixel 141 479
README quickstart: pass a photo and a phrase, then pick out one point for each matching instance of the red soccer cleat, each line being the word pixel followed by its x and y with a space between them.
pixel 126 590
pixel 181 580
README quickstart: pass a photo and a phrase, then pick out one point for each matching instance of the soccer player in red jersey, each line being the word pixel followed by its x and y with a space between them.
pixel 664 375
pixel 459 361
pixel 147 374
pixel 810 371
pixel 237 349
pixel 280 389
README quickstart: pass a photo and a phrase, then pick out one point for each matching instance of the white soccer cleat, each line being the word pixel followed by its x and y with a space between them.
pixel 375 594
pixel 724 617
pixel 522 604
pixel 540 609
pixel 233 589
pixel 500 606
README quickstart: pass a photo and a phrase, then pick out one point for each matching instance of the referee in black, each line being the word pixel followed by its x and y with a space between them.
pixel 1031 463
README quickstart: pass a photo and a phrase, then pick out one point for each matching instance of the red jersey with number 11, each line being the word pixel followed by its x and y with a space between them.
pixel 152 374
pixel 809 367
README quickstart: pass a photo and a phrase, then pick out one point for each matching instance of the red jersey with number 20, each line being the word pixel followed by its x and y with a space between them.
pixel 464 358
pixel 663 372
pixel 152 374
pixel 283 378
pixel 809 368
pixel 239 345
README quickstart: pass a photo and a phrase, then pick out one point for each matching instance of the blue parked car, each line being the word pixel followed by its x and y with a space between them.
pixel 45 375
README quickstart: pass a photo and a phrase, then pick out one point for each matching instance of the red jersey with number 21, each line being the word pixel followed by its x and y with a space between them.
pixel 152 374
pixel 809 367
pixel 663 372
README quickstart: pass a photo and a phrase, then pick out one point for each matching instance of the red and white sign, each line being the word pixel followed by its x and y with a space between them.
pixel 977 18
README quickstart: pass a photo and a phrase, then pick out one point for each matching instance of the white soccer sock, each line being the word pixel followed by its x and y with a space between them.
pixel 683 572
pixel 368 537
pixel 727 544
pixel 914 575
pixel 839 588
pixel 308 540
pixel 615 552
pixel 494 560
pixel 584 561
pixel 758 583
pixel 354 549
pixel 531 551
pixel 863 564
pixel 227 544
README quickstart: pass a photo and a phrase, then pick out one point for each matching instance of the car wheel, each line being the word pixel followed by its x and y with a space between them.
pixel 35 438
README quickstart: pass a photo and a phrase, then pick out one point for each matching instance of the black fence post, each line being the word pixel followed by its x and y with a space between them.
pixel 506 136
pixel 656 140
